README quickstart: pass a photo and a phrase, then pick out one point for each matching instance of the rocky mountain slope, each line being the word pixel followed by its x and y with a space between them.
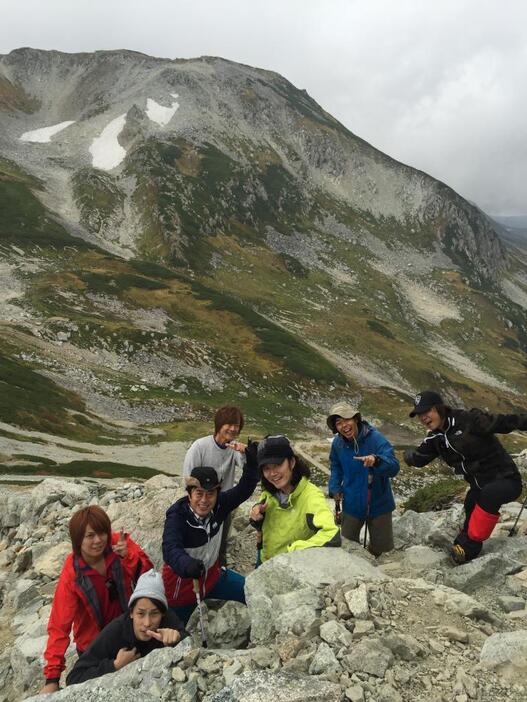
pixel 177 234
pixel 321 624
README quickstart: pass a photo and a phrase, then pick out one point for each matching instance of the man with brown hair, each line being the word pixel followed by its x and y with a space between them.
pixel 222 452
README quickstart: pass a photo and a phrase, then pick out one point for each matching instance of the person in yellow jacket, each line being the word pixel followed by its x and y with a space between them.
pixel 293 513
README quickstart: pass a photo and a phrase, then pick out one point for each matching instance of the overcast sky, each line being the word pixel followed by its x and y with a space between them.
pixel 439 85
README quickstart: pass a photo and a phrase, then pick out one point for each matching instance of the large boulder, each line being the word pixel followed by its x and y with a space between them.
pixel 265 686
pixel 507 654
pixel 48 560
pixel 436 529
pixel 144 519
pixel 490 569
pixel 283 593
pixel 152 675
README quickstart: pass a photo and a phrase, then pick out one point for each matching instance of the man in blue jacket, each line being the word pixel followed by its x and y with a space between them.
pixel 362 463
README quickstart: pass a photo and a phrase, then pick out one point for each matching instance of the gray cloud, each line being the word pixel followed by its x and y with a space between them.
pixel 440 86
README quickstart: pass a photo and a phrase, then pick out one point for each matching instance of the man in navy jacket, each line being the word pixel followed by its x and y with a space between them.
pixel 192 538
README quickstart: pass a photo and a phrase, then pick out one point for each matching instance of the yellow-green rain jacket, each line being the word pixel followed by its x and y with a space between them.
pixel 306 521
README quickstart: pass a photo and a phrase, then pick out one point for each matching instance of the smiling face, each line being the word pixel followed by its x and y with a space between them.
pixel 431 419
pixel 93 544
pixel 280 474
pixel 227 433
pixel 202 501
pixel 145 616
pixel 347 427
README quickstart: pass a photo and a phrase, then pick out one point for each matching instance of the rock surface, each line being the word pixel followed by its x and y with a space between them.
pixel 329 624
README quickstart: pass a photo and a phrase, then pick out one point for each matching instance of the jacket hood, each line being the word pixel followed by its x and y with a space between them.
pixel 299 489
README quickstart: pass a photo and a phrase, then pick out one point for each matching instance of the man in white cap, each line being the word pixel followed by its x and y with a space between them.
pixel 148 624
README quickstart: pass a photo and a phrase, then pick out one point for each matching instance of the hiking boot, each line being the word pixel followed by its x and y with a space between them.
pixel 464 549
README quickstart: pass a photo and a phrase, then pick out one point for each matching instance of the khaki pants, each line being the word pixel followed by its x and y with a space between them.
pixel 380 531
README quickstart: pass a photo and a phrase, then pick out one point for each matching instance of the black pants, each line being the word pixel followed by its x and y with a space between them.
pixel 492 496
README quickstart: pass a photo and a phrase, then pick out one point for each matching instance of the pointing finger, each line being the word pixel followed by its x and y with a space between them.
pixel 154 634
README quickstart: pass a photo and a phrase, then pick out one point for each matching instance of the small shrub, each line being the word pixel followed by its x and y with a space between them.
pixel 436 496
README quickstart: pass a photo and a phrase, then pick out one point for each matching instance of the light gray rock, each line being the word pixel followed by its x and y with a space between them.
pixel 264 686
pixel 25 661
pixel 354 693
pixel 335 634
pixel 357 601
pixel 436 529
pixel 362 628
pixel 48 560
pixel 22 594
pixel 490 569
pixel 461 603
pixel 421 559
pixel 369 656
pixel 231 672
pixel 187 692
pixel 324 661
pixel 152 675
pixel 507 654
pixel 229 626
pixel 509 603
pixel 142 517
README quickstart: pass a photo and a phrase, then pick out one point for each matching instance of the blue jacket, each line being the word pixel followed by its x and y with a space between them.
pixel 350 477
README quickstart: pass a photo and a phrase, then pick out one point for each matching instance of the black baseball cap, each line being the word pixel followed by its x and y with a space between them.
pixel 273 449
pixel 203 477
pixel 426 400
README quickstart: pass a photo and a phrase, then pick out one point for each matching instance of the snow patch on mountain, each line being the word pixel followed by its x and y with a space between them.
pixel 107 153
pixel 160 114
pixel 44 134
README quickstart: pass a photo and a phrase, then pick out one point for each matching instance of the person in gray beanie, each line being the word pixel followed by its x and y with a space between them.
pixel 148 624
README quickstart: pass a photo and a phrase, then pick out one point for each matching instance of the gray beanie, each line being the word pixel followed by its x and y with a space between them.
pixel 150 585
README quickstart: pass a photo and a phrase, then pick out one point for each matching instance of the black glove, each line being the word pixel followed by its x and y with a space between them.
pixel 195 568
pixel 250 453
pixel 409 457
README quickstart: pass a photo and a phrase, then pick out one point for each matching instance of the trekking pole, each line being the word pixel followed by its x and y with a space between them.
pixel 513 530
pixel 338 513
pixel 368 503
pixel 201 623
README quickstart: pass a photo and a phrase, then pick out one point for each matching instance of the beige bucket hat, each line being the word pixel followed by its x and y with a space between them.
pixel 341 409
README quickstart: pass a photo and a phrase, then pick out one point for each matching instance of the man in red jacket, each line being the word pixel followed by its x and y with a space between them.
pixel 94 586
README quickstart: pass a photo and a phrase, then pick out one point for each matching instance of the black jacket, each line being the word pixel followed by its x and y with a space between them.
pixel 98 658
pixel 466 442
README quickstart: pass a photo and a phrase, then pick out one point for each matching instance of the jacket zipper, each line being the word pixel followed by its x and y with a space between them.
pixel 447 442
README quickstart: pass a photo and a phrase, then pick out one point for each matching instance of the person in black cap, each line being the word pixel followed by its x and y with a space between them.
pixel 465 440
pixel 292 514
pixel 192 538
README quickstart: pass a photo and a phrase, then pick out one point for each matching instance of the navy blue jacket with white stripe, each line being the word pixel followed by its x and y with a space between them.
pixel 466 442
pixel 187 538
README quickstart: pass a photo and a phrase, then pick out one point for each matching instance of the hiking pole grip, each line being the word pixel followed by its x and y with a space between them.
pixel 195 585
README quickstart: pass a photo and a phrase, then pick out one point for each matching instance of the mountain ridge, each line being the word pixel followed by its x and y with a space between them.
pixel 287 260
